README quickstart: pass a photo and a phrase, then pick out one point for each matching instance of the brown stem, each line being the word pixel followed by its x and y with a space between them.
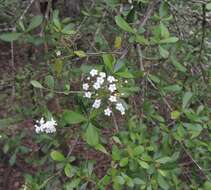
pixel 203 25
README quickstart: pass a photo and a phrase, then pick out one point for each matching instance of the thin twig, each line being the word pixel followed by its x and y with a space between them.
pixel 62 92
pixel 13 71
pixel 164 99
pixel 199 1
pixel 26 10
pixel 115 122
pixel 203 25
pixel 141 65
pixel 73 146
pixel 143 22
pixel 7 29
pixel 194 161
pixel 149 12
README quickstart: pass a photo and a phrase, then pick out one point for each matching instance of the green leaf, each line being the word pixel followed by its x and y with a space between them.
pixel 163 52
pixel 108 61
pixel 172 88
pixel 49 81
pixel 162 182
pixel 154 78
pixel 12 159
pixel 164 9
pixel 118 42
pixel 138 181
pixel 123 24
pixel 92 137
pixel 141 40
pixel 178 65
pixel 68 170
pixel 175 114
pixel 101 148
pixel 36 84
pixel 194 129
pixel 163 172
pixel 208 6
pixel 116 154
pixel 56 20
pixel 138 150
pixel 164 31
pixel 58 66
pixel 69 30
pixel 143 164
pixel 169 40
pixel 80 53
pixel 116 139
pixel 207 184
pixel 119 179
pixel 112 3
pixel 186 99
pixel 125 74
pixel 120 64
pixel 129 182
pixel 35 22
pixel 123 162
pixel 72 117
pixel 9 37
pixel 164 160
pixel 73 184
pixel 57 156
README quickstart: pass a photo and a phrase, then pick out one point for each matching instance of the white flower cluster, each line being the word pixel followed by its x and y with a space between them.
pixel 45 127
pixel 58 53
pixel 98 86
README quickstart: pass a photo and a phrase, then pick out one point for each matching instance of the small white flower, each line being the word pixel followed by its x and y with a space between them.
pixel 47 127
pixel 122 94
pixel 112 87
pixel 107 111
pixel 50 126
pixel 191 32
pixel 102 74
pixel 96 104
pixel 85 86
pixel 87 94
pixel 121 108
pixel 88 78
pixel 96 85
pixel 100 80
pixel 58 53
pixel 126 81
pixel 112 98
pixel 93 72
pixel 42 121
pixel 111 79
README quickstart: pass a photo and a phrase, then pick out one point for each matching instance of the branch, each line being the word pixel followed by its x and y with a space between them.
pixel 203 26
pixel 146 17
pixel 26 10
pixel 203 2
pixel 149 12
pixel 194 161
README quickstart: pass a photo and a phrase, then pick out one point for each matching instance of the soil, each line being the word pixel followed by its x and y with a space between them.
pixel 10 177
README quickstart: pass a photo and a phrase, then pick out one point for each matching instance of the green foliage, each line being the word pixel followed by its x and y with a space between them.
pixel 72 117
pixel 160 63
pixel 8 37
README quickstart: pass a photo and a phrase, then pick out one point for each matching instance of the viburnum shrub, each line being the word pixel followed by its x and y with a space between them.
pixel 121 98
